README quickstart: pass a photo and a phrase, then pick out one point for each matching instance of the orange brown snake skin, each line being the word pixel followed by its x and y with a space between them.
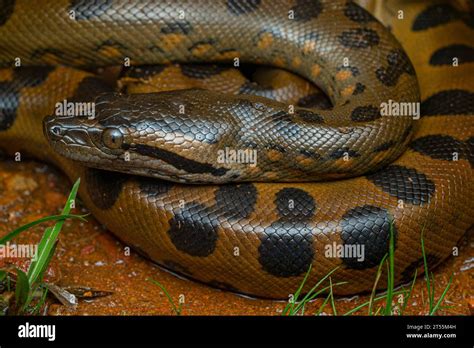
pixel 279 229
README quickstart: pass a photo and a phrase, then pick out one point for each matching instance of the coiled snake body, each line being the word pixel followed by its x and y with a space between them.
pixel 260 231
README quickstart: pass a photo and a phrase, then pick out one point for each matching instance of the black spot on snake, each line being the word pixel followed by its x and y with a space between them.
pixel 286 250
pixel 178 161
pixel 359 38
pixel 58 55
pixel 398 63
pixel 365 113
pixel 89 9
pixel 437 15
pixel 89 88
pixel 236 201
pixel 404 183
pixel 250 145
pixel 310 116
pixel 439 146
pixel 294 204
pixel 6 10
pixel 449 102
pixel 315 100
pixel 409 272
pixel 153 188
pixel 30 76
pixel 305 10
pixel 143 71
pixel 445 55
pixel 340 153
pixel 192 230
pixel 210 42
pixel 360 88
pixel 357 14
pixel 238 7
pixel 104 187
pixel 310 154
pixel 384 146
pixel 10 91
pixel 277 147
pixel 202 71
pixel 177 27
pixel 368 226
pixel 9 102
pixel 353 69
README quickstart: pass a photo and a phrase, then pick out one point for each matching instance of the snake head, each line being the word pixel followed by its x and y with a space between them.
pixel 75 132
pixel 142 134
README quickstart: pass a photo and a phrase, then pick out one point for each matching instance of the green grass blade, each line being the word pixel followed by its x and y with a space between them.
pixel 170 299
pixel 333 305
pixel 40 303
pixel 391 272
pixel 320 310
pixel 377 279
pixel 22 289
pixel 47 262
pixel 290 305
pixel 436 307
pixel 367 303
pixel 433 289
pixel 17 231
pixel 407 297
pixel 301 304
pixel 318 284
pixel 427 274
pixel 48 241
pixel 310 292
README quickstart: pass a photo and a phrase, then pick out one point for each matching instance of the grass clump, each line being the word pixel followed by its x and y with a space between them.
pixel 30 289
pixel 385 301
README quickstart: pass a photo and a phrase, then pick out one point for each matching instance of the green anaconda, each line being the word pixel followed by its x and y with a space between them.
pixel 326 177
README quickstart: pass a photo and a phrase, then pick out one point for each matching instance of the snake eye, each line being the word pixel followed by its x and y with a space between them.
pixel 112 138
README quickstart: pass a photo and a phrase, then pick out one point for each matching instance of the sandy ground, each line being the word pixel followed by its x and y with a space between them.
pixel 89 256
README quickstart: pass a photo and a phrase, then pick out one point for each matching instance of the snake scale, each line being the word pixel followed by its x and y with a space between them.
pixel 327 174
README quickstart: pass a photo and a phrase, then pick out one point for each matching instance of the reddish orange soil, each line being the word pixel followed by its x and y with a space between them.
pixel 88 255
